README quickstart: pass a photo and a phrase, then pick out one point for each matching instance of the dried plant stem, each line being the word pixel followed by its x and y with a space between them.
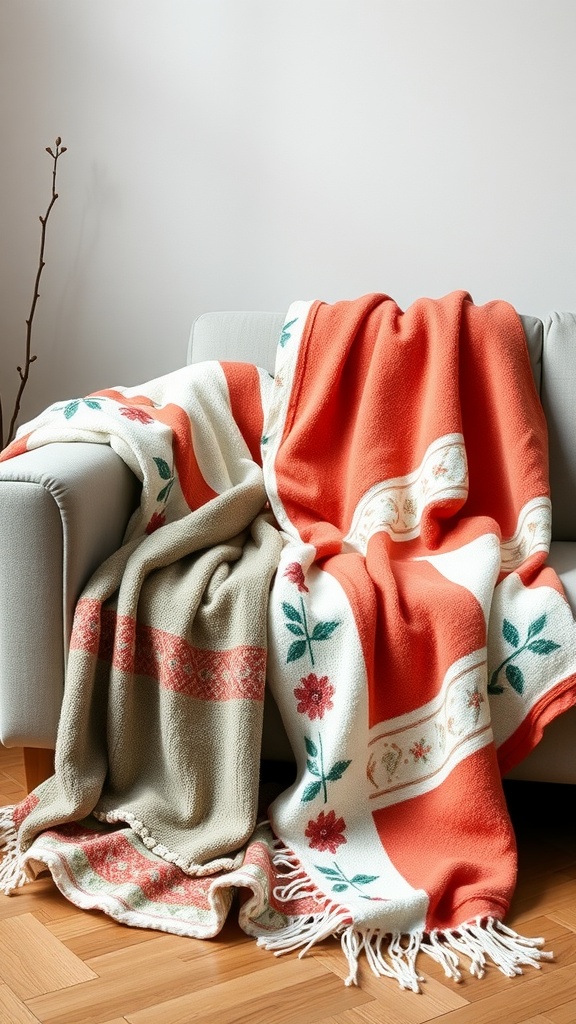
pixel 24 372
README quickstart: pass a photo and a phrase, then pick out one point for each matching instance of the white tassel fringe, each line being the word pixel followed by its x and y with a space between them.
pixel 394 956
pixel 12 872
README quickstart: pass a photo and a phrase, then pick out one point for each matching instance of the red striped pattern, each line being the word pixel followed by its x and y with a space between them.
pixel 234 674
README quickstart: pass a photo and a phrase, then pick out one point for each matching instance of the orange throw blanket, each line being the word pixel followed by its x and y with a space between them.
pixel 418 644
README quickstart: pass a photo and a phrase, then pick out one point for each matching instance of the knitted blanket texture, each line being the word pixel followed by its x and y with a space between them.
pixel 366 533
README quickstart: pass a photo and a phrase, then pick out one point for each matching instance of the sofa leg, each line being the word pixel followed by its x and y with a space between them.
pixel 38 766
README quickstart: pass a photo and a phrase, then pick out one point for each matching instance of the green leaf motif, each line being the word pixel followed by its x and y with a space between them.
pixel 337 770
pixel 311 792
pixel 296 650
pixel 295 628
pixel 163 469
pixel 515 678
pixel 71 409
pixel 329 872
pixel 323 630
pixel 163 496
pixel 311 747
pixel 312 768
pixel 291 612
pixel 285 336
pixel 336 875
pixel 510 633
pixel 537 626
pixel 542 646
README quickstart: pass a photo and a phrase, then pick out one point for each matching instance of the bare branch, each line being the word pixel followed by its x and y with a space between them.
pixel 29 358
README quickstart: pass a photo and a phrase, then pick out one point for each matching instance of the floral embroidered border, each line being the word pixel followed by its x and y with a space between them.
pixel 397 505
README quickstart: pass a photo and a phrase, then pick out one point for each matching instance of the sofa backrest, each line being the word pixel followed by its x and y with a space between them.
pixel 253 337
pixel 236 336
pixel 534 331
pixel 558 395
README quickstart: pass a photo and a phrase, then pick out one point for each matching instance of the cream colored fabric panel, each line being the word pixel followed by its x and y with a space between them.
pixel 554 759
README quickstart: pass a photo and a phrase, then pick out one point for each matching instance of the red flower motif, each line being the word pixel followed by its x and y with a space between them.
pixel 131 412
pixel 295 574
pixel 420 750
pixel 326 833
pixel 156 522
pixel 314 696
pixel 475 699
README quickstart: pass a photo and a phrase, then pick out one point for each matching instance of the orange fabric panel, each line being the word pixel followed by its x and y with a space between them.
pixel 434 841
pixel 414 624
pixel 244 387
pixel 372 424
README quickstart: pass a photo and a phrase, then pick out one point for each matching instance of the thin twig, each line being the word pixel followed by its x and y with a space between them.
pixel 29 358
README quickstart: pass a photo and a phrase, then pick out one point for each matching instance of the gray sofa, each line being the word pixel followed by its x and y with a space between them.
pixel 64 508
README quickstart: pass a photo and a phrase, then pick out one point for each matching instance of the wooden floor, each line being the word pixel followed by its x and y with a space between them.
pixel 60 965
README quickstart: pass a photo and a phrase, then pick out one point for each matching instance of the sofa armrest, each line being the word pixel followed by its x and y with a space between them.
pixel 63 509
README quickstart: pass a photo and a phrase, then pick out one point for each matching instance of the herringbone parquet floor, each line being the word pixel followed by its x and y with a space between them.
pixel 60 965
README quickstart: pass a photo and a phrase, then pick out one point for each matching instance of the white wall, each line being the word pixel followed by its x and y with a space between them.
pixel 243 153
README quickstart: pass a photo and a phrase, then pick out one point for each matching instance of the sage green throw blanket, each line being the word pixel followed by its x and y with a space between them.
pixel 162 715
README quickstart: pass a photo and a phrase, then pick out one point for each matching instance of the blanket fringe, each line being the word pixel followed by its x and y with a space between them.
pixel 12 873
pixel 396 961
pixel 394 955
pixel 488 938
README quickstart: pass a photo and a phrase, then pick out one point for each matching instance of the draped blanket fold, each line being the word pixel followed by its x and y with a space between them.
pixel 368 532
